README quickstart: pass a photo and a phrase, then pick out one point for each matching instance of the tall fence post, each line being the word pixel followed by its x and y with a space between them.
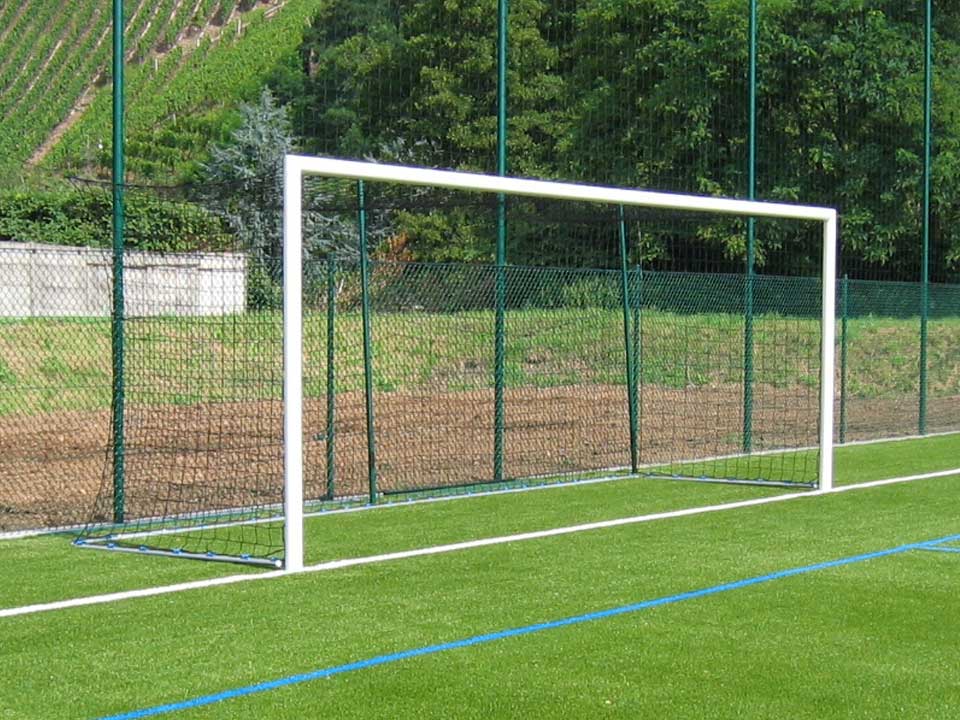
pixel 331 372
pixel 118 402
pixel 500 281
pixel 638 356
pixel 844 314
pixel 367 343
pixel 628 343
pixel 925 267
pixel 751 238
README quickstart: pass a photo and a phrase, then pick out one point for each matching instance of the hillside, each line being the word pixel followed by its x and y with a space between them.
pixel 189 62
pixel 645 93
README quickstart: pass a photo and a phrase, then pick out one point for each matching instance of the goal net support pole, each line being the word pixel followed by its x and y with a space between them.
pixel 298 166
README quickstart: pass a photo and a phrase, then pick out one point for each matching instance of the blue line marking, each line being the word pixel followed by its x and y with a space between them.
pixel 938 545
pixel 942 549
pixel 378 660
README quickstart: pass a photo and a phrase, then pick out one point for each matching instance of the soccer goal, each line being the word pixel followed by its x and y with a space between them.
pixel 446 332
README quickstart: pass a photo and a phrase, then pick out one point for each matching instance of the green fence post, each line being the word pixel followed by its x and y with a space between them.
pixel 331 371
pixel 367 343
pixel 500 320
pixel 927 153
pixel 751 239
pixel 118 404
pixel 844 314
pixel 628 344
pixel 638 357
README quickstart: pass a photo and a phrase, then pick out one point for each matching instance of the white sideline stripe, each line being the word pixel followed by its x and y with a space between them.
pixel 894 481
pixel 454 547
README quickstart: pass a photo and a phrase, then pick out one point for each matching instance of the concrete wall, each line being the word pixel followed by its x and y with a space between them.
pixel 50 281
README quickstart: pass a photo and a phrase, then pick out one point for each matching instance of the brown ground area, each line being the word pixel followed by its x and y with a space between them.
pixel 190 458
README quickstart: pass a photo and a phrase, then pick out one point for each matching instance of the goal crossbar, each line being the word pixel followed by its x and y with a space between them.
pixel 296 167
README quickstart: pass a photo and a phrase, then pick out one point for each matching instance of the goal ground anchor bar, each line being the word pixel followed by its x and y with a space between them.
pixel 725 481
pixel 211 557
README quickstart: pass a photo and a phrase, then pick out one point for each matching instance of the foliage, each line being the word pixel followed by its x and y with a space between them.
pixel 653 93
pixel 243 184
pixel 416 82
pixel 84 217
pixel 599 291
pixel 648 93
pixel 243 180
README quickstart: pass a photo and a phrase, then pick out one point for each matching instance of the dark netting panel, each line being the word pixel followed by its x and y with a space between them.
pixel 708 402
pixel 54 383
pixel 693 371
pixel 632 340
pixel 335 439
pixel 878 360
pixel 197 467
pixel 943 358
pixel 567 409
pixel 203 441
pixel 433 372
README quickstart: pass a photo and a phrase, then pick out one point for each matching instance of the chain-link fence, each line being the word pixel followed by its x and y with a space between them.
pixel 639 95
pixel 203 424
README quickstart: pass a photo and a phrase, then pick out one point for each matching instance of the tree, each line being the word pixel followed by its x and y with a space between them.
pixel 243 184
pixel 653 93
pixel 243 180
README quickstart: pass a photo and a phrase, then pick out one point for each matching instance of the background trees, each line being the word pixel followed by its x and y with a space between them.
pixel 652 93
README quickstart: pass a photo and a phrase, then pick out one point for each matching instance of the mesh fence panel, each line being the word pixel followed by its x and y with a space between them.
pixel 566 407
pixel 54 383
pixel 433 370
pixel 566 392
pixel 943 358
pixel 693 358
pixel 881 390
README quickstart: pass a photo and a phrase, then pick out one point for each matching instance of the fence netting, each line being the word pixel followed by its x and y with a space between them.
pixel 641 95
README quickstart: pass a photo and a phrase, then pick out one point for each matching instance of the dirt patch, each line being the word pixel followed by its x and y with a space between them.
pixel 188 459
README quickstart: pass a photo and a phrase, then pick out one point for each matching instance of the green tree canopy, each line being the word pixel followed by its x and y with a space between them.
pixel 653 94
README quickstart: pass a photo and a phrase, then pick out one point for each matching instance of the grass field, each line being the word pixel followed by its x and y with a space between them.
pixel 830 606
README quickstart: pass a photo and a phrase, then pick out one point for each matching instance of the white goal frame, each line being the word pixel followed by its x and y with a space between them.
pixel 296 167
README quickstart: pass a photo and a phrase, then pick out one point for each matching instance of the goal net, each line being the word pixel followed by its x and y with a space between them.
pixel 433 332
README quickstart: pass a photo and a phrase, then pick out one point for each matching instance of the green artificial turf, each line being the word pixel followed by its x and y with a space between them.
pixel 874 639
pixel 870 640
pixel 52 569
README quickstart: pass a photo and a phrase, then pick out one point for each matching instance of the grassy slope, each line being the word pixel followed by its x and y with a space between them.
pixel 870 640
pixel 177 108
pixel 177 102
pixel 41 358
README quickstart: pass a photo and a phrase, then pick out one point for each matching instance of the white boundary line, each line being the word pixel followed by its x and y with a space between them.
pixel 454 547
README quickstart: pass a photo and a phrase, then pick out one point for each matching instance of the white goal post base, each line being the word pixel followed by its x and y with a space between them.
pixel 296 167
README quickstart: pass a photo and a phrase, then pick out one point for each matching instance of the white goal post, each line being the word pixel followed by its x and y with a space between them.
pixel 296 167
